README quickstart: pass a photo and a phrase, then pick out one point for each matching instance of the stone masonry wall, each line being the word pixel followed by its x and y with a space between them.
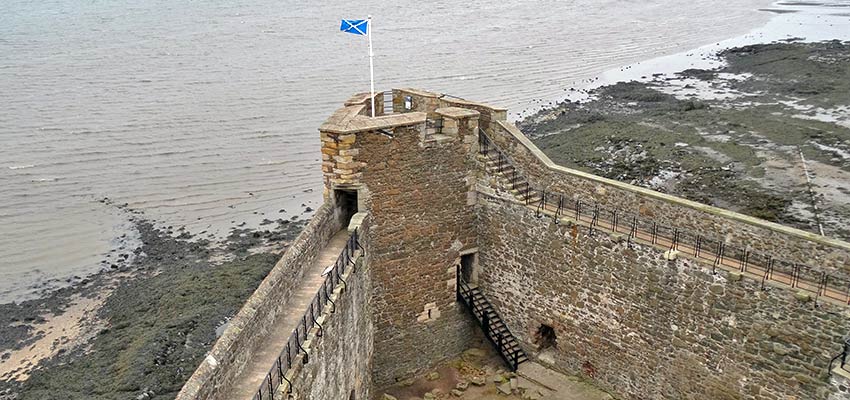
pixel 419 199
pixel 340 361
pixel 234 349
pixel 739 231
pixel 646 328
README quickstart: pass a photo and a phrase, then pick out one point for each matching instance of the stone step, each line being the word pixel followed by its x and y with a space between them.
pixel 562 387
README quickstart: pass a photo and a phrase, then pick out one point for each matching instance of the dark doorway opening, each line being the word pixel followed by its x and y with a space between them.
pixel 545 338
pixel 467 268
pixel 346 204
pixel 351 396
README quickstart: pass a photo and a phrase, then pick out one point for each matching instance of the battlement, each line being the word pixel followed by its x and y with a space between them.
pixel 643 294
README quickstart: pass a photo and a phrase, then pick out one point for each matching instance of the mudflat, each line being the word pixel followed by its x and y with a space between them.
pixel 138 329
pixel 766 135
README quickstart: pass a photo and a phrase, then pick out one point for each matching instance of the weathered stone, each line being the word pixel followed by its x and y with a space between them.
pixel 504 388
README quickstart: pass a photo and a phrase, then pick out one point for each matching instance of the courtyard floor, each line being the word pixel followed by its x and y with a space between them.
pixel 479 374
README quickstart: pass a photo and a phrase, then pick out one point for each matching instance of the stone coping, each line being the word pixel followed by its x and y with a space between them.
pixel 350 120
pixel 210 373
pixel 456 100
pixel 841 372
pixel 457 112
pixel 525 141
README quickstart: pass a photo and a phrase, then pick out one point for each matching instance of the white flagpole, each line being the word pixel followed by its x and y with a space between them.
pixel 371 65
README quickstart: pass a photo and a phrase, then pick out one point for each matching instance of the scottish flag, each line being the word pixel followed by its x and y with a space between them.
pixel 355 26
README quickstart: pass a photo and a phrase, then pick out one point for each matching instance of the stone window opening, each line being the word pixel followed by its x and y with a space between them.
pixel 545 338
pixel 351 396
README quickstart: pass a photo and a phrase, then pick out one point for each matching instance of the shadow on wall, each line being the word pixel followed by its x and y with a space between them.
pixel 346 205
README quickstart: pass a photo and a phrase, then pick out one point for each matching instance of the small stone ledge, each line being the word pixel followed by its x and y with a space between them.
pixel 838 371
pixel 356 221
pixel 457 112
pixel 348 120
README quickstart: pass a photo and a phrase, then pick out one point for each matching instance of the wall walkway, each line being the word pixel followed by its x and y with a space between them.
pixel 246 384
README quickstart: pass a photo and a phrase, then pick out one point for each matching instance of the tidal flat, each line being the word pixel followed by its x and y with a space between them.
pixel 742 137
pixel 139 329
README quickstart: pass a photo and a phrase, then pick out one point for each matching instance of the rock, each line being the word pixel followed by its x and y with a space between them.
pixel 671 255
pixel 429 396
pixel 388 396
pixel 514 383
pixel 498 378
pixel 456 393
pixel 477 381
pixel 432 376
pixel 462 385
pixel 802 296
pixel 505 388
pixel 530 395
pixel 473 354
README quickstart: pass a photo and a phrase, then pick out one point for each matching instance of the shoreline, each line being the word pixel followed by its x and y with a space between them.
pixel 70 324
pixel 791 21
pixel 766 134
pixel 187 285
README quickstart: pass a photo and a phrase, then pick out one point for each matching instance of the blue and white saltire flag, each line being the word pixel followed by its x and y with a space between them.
pixel 361 27
pixel 355 26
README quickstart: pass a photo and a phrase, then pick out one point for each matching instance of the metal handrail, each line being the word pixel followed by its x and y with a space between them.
pixel 716 252
pixel 277 374
pixel 845 354
pixel 499 339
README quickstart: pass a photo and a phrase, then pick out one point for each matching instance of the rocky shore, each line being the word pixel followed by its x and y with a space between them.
pixel 767 135
pixel 138 329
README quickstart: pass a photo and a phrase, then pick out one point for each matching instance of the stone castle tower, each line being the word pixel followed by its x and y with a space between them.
pixel 459 228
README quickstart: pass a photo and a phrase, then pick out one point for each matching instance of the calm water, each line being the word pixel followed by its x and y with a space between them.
pixel 204 114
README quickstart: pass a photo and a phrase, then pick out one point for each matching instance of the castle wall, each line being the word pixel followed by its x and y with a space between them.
pixel 418 197
pixel 234 349
pixel 643 327
pixel 737 231
pixel 340 361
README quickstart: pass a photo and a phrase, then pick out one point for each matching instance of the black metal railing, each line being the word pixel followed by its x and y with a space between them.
pixel 702 246
pixel 842 358
pixel 500 336
pixel 277 374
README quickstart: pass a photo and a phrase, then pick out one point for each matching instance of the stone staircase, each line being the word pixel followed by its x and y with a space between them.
pixel 500 167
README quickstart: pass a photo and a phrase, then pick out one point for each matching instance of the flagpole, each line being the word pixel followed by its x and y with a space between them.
pixel 371 64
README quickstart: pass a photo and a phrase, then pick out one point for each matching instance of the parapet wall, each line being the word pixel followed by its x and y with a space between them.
pixel 643 327
pixel 737 231
pixel 338 361
pixel 234 349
